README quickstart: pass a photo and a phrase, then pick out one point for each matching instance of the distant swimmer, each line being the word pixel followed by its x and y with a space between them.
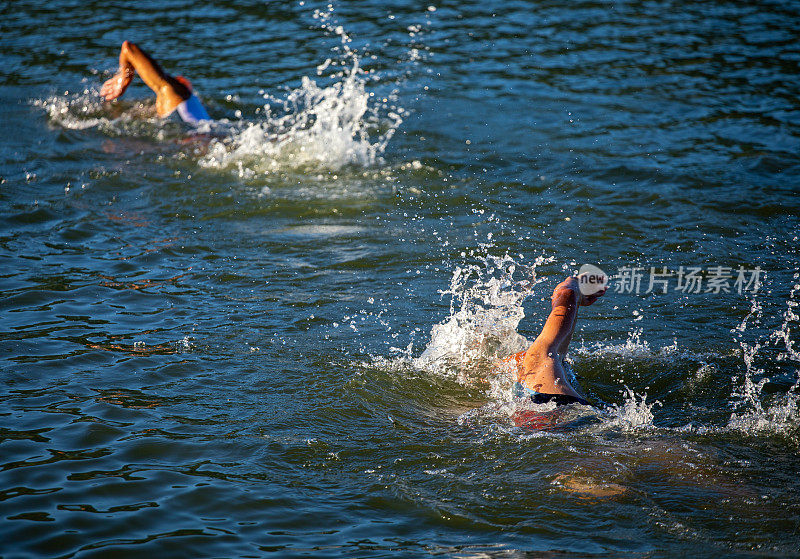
pixel 172 93
pixel 540 370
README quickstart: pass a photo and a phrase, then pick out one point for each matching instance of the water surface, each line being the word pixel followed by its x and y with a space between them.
pixel 279 336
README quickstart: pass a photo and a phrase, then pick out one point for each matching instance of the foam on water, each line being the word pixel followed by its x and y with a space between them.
pixel 635 347
pixel 634 413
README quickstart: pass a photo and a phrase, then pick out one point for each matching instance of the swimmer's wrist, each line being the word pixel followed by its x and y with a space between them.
pixel 569 290
pixel 574 286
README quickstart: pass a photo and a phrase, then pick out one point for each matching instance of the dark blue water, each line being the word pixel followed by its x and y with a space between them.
pixel 278 334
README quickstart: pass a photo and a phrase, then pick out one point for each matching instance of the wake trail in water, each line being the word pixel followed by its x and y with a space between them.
pixel 85 110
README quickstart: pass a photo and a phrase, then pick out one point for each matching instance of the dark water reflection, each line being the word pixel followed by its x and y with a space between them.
pixel 211 346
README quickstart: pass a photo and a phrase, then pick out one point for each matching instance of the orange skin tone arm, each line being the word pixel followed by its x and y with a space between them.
pixel 132 60
pixel 541 366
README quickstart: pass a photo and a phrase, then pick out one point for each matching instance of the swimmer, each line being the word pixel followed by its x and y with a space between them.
pixel 540 370
pixel 172 93
pixel 542 376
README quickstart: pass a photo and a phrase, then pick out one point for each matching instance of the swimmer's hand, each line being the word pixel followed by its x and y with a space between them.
pixel 586 300
pixel 573 284
pixel 117 85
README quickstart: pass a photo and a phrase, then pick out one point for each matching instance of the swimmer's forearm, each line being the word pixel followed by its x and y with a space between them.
pixel 557 329
pixel 124 64
pixel 132 58
pixel 571 317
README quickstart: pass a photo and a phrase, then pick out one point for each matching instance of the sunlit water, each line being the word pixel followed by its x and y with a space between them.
pixel 280 333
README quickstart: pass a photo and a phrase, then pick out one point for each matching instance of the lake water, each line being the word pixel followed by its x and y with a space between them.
pixel 278 334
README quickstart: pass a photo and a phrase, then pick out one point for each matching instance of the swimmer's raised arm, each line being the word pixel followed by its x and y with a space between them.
pixel 169 91
pixel 542 364
pixel 567 297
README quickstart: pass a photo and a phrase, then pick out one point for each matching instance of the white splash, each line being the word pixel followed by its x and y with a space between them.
pixel 781 414
pixel 85 109
pixel 315 126
pixel 634 413
pixel 638 349
pixel 485 310
pixel 633 348
pixel 184 344
pixel 75 111
pixel 328 127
